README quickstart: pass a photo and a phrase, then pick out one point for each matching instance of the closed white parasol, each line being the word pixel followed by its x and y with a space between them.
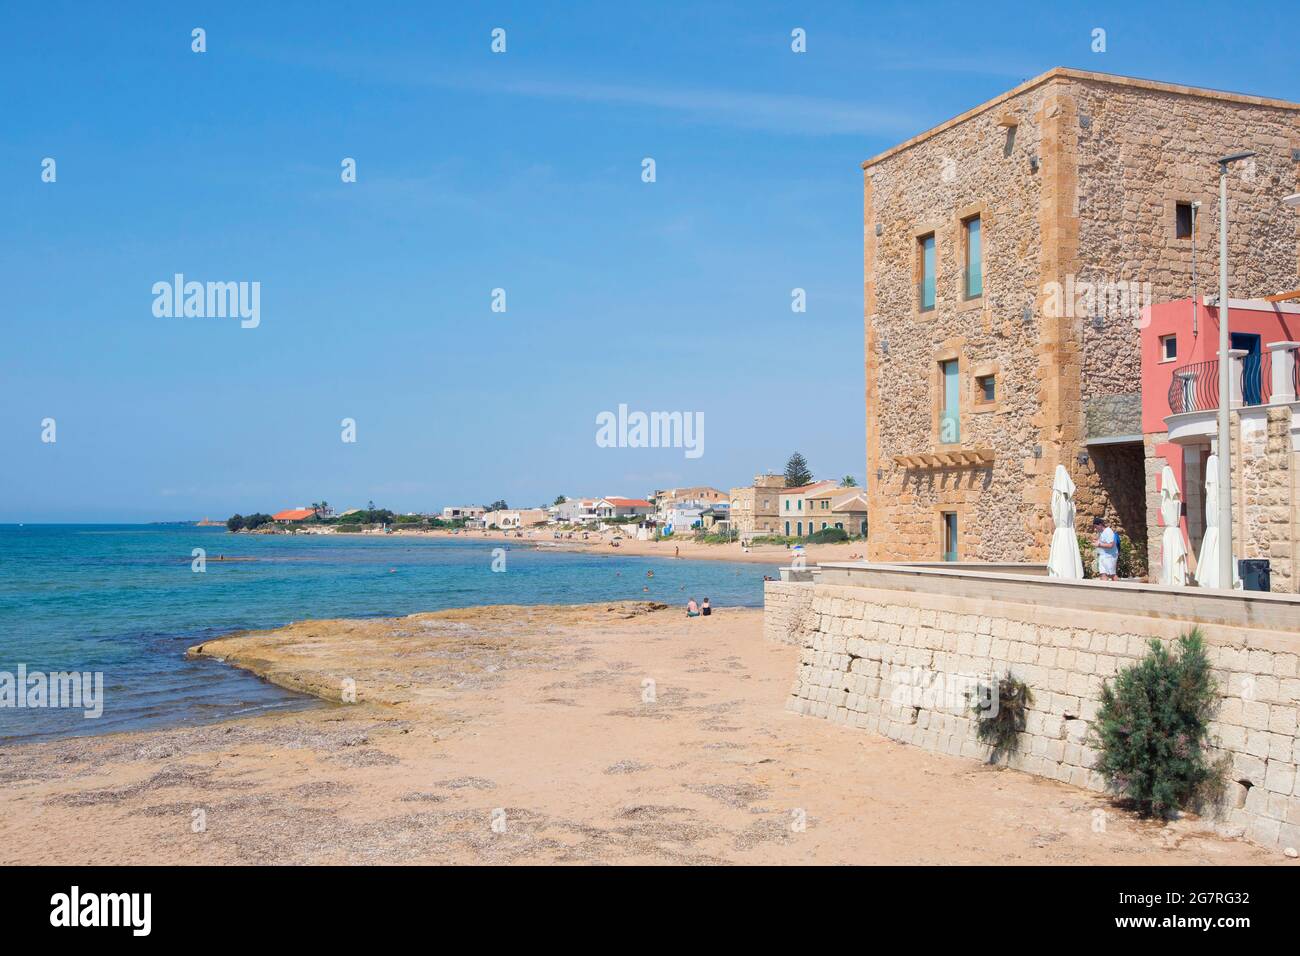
pixel 1063 561
pixel 1173 550
pixel 1207 565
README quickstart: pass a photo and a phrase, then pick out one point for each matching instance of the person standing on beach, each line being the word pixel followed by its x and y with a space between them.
pixel 1107 543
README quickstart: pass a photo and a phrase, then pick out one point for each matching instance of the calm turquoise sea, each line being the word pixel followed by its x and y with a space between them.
pixel 122 599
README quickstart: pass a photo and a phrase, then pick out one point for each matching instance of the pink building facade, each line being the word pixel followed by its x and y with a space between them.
pixel 1180 351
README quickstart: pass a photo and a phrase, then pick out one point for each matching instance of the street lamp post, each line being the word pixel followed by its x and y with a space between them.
pixel 1226 571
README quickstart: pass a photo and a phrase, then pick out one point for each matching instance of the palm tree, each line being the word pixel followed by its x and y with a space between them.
pixel 848 481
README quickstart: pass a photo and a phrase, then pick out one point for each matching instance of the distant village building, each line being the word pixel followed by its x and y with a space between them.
pixel 795 514
pixel 716 517
pixel 757 508
pixel 510 519
pixel 623 508
pixel 663 498
pixel 679 516
pixel 574 511
pixel 1009 254
pixel 462 512
pixel 841 508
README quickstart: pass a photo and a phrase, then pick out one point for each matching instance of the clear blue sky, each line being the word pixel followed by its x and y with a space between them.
pixel 477 171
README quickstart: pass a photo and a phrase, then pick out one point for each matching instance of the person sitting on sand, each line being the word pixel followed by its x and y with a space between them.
pixel 692 609
pixel 705 609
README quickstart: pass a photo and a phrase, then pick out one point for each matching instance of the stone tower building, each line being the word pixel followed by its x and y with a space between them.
pixel 1009 254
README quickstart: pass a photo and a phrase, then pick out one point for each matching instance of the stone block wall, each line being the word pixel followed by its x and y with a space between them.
pixel 787 612
pixel 1269 507
pixel 891 661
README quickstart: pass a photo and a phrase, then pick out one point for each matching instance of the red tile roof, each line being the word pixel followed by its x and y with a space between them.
pixel 293 514
pixel 815 484
pixel 628 502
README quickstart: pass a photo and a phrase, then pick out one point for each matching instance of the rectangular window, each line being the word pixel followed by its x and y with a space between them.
pixel 1183 220
pixel 927 272
pixel 950 407
pixel 974 269
pixel 1168 348
pixel 800 504
pixel 986 389
pixel 950 536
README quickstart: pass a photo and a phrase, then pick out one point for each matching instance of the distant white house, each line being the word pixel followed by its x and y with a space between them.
pixel 462 512
pixel 623 508
pixel 509 520
pixel 680 516
pixel 574 511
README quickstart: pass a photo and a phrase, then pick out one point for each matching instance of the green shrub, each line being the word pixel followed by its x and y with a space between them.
pixel 712 537
pixel 829 536
pixel 1152 730
pixel 1001 729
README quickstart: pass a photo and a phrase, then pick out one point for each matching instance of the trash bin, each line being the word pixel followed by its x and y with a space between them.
pixel 1254 573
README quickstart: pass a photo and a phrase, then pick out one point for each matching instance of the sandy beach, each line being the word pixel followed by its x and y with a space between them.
pixel 608 733
pixel 684 548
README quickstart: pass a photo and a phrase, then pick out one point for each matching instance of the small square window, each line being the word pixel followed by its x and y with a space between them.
pixel 1168 348
pixel 986 388
pixel 1183 220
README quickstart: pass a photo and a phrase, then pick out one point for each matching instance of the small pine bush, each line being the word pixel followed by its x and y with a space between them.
pixel 1152 731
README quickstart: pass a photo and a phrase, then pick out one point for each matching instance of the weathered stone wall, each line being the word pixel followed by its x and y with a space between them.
pixel 876 658
pixel 1154 466
pixel 978 166
pixel 1083 191
pixel 787 612
pixel 1268 506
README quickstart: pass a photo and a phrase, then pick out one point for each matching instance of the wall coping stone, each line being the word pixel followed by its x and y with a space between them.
pixel 1248 609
